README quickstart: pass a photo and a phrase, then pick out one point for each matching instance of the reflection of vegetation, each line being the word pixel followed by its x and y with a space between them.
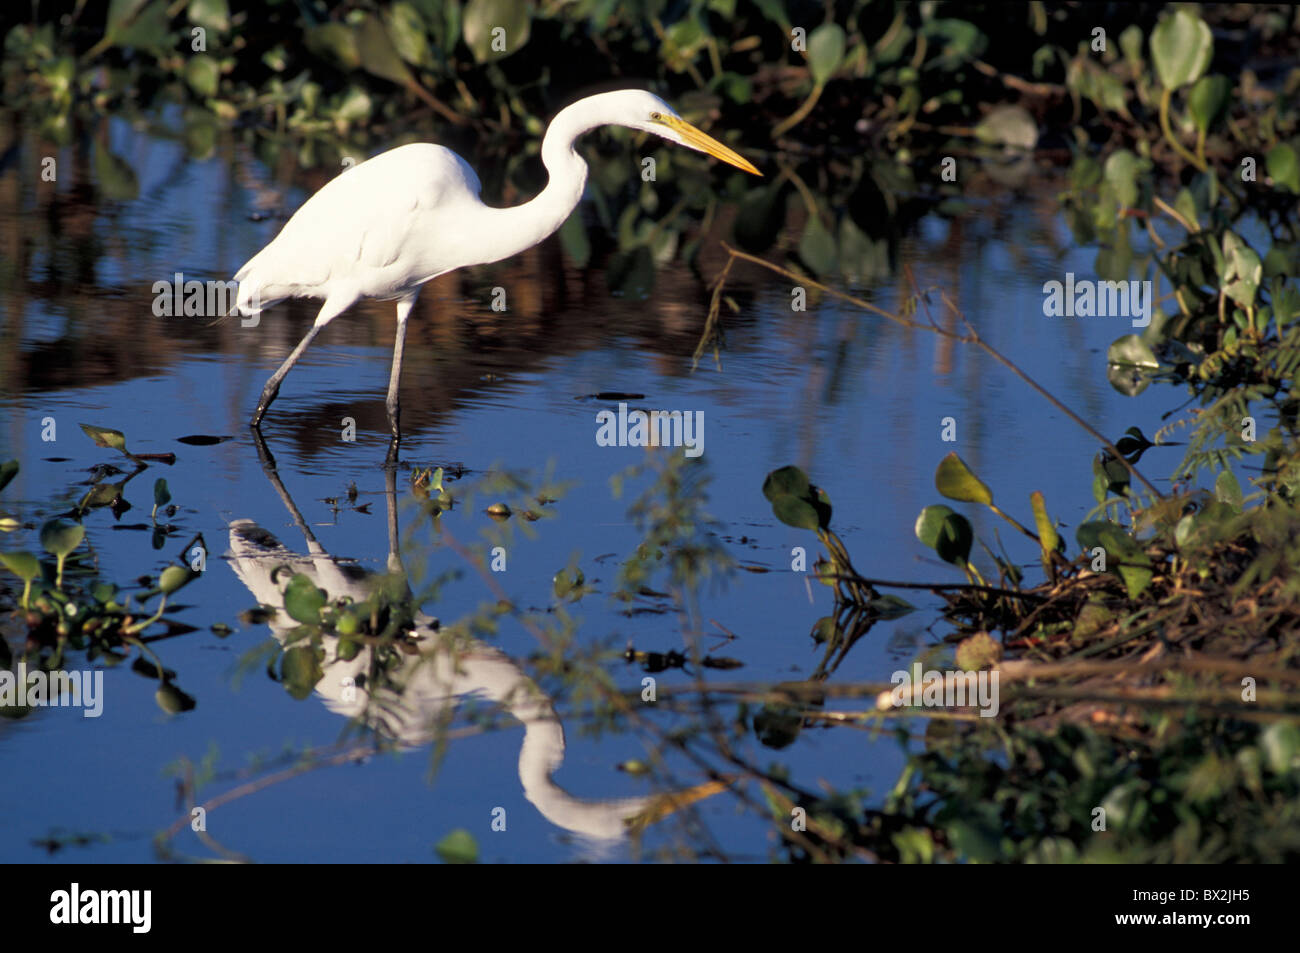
pixel 65 606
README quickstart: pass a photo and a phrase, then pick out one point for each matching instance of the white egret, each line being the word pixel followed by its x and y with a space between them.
pixel 386 226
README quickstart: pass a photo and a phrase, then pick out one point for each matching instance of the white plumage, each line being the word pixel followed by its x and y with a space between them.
pixel 383 228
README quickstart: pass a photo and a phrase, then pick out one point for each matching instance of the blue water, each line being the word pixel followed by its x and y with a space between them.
pixel 857 402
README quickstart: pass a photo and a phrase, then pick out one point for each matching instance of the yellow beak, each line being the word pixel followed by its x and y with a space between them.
pixel 707 144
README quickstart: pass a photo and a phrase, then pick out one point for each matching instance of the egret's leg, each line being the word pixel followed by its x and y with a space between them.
pixel 404 306
pixel 328 312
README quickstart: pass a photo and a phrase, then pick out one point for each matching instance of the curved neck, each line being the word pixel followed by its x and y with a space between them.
pixel 511 230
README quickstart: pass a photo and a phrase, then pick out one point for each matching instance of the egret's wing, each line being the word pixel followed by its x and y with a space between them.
pixel 374 229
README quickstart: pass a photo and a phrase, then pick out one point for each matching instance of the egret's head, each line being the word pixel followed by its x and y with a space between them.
pixel 647 112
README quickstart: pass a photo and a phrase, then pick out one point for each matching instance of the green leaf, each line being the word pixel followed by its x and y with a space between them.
pixel 817 247
pixel 115 176
pixel 300 671
pixel 568 583
pixel 1129 364
pixel 956 481
pixel 1121 171
pixel 61 536
pixel 172 700
pixel 890 606
pixel 1008 125
pixel 482 17
pixel 173 577
pixel 796 512
pixel 1125 557
pixel 104 437
pixel 787 481
pixel 1280 742
pixel 947 532
pixel 1130 42
pixel 1243 271
pixel 378 55
pixel 8 470
pixel 1047 535
pixel 1228 490
pixel 203 74
pixel 1208 101
pixel 1283 168
pixel 302 600
pixel 1182 47
pixel 407 31
pixel 22 564
pixel 825 51
pixel 161 496
pixel 211 14
pixel 458 847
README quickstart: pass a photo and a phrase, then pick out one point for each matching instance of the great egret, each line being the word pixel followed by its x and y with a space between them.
pixel 386 226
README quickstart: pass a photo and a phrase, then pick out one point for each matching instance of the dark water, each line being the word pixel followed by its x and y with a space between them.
pixel 855 401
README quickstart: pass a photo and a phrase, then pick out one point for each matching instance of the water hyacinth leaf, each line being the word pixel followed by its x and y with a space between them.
pixel 115 176
pixel 173 577
pixel 458 847
pixel 1283 167
pixel 8 470
pixel 825 51
pixel 1125 557
pixel 161 495
pixel 1242 270
pixel 796 512
pixel 334 42
pixel 890 606
pixel 105 437
pixel 777 726
pixel 1011 126
pixel 210 14
pixel 1228 491
pixel 947 532
pixel 203 74
pixel 817 247
pixel 568 583
pixel 1130 42
pixel 1120 172
pixel 482 20
pixel 1181 46
pixel 825 630
pixel 1208 101
pixel 300 671
pixel 61 536
pixel 1129 364
pixel 1280 743
pixel 303 600
pixel 956 481
pixel 787 481
pixel 407 32
pixel 22 564
pixel 172 700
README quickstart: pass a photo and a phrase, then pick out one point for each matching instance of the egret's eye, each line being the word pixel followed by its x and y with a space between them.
pixel 656 117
